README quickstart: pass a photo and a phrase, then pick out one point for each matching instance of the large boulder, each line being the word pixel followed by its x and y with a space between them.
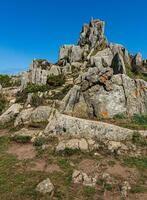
pixel 33 116
pixel 10 114
pixel 24 117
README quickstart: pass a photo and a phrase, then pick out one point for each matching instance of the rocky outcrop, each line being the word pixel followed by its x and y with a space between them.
pixel 10 114
pixel 92 35
pixel 100 94
pixel 39 71
pixel 60 124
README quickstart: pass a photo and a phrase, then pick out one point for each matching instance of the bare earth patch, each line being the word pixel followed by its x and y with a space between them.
pixel 4 132
pixel 121 171
pixel 41 165
pixel 88 166
pixel 22 151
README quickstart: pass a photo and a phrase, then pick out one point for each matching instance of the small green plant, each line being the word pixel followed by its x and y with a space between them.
pixel 108 187
pixel 69 152
pixel 64 163
pixel 55 80
pixel 89 191
pixel 21 138
pixel 39 141
pixel 140 119
pixel 119 116
pixel 138 139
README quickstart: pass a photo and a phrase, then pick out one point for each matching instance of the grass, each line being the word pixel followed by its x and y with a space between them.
pixel 138 139
pixel 89 191
pixel 21 139
pixel 39 141
pixel 135 75
pixel 138 189
pixel 69 152
pixel 136 122
pixel 140 163
pixel 19 183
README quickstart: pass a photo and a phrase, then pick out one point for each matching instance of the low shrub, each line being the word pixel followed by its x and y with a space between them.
pixel 36 100
pixel 140 119
pixel 55 80
pixel 5 81
pixel 33 88
pixel 138 139
pixel 119 116
pixel 3 103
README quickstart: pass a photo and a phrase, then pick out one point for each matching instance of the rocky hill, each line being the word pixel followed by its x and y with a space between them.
pixel 91 108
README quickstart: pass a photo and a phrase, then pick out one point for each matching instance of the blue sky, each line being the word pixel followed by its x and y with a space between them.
pixel 37 28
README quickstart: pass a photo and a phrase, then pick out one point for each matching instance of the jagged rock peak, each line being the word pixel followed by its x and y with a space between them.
pixel 92 34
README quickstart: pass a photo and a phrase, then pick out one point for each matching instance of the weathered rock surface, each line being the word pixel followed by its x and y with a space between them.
pixel 93 34
pixel 82 178
pixel 103 95
pixel 77 144
pixel 60 124
pixel 45 187
pixel 32 116
pixel 10 114
pixel 71 53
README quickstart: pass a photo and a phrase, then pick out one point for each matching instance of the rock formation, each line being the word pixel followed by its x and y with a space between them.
pixel 96 80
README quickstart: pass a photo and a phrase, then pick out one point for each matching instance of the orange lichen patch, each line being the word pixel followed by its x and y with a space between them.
pixel 104 114
pixel 103 79
pixel 136 93
pixel 143 88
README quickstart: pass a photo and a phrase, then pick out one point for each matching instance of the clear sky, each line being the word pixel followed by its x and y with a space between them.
pixel 37 28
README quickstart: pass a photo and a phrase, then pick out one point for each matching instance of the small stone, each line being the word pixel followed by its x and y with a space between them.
pixel 124 189
pixel 83 178
pixel 45 187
